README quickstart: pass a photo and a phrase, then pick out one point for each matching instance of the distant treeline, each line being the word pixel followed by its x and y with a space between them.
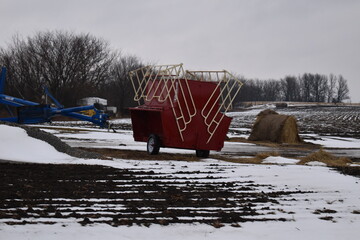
pixel 75 66
pixel 305 88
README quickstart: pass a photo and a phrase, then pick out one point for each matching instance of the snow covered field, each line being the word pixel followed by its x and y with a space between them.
pixel 328 208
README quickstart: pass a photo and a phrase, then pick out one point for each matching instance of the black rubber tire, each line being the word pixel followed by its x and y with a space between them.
pixel 202 153
pixel 153 144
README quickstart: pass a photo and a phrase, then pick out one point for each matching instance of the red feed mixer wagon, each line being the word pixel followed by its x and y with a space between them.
pixel 182 109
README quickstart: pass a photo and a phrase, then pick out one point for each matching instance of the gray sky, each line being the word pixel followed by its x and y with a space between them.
pixel 255 38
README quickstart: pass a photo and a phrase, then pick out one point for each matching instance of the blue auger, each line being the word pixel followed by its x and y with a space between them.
pixel 29 112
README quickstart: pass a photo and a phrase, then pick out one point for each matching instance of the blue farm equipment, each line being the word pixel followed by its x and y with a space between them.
pixel 29 112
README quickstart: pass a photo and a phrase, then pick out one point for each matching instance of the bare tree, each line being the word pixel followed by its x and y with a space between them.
pixel 290 88
pixel 271 90
pixel 255 92
pixel 331 88
pixel 342 89
pixel 73 66
pixel 118 88
pixel 319 88
pixel 305 86
pixel 314 87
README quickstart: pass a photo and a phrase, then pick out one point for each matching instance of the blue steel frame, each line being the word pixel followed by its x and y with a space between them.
pixel 31 112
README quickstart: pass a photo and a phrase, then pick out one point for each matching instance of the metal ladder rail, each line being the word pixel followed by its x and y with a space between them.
pixel 183 112
pixel 135 88
pixel 181 116
pixel 177 120
pixel 188 108
pixel 231 99
pixel 207 116
pixel 227 89
pixel 163 76
pixel 223 104
pixel 224 89
pixel 139 89
pixel 172 75
pixel 176 85
pixel 163 81
pixel 154 80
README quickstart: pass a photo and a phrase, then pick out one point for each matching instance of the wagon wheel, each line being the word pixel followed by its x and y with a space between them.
pixel 153 144
pixel 202 153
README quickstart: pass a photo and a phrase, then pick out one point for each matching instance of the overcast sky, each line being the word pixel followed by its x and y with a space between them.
pixel 255 38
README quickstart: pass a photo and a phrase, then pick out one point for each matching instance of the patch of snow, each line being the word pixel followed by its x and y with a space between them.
pixel 16 145
pixel 335 142
pixel 315 163
pixel 280 160
pixel 355 165
pixel 251 111
pixel 236 135
pixel 240 129
pixel 298 230
pixel 121 121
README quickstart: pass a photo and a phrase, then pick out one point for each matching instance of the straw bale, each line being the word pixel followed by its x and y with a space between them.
pixel 274 127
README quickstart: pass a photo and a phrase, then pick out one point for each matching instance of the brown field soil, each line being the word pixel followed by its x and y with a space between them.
pixel 46 194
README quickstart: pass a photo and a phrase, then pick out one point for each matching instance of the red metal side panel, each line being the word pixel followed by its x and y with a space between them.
pixel 146 121
pixel 157 91
pixel 171 137
pixel 196 135
pixel 217 141
pixel 157 117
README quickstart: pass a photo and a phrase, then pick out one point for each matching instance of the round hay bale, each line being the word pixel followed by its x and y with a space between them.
pixel 274 127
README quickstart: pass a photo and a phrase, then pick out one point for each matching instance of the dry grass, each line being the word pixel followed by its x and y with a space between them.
pixel 261 143
pixel 325 157
pixel 245 160
pixel 299 146
pixel 264 155
pixel 257 159
pixel 142 155
pixel 319 156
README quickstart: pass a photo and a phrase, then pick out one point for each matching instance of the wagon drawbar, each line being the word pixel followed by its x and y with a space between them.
pixel 182 109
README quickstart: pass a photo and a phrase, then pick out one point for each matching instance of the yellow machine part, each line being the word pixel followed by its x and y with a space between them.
pixel 90 112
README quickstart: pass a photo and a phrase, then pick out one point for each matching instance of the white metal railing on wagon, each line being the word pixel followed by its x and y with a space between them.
pixel 160 82
pixel 227 85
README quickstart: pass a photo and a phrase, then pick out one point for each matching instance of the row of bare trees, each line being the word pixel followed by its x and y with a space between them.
pixel 305 88
pixel 74 66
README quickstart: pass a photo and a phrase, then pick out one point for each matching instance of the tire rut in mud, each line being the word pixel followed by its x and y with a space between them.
pixel 49 194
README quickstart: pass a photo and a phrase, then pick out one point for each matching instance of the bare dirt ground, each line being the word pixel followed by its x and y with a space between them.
pixel 45 193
